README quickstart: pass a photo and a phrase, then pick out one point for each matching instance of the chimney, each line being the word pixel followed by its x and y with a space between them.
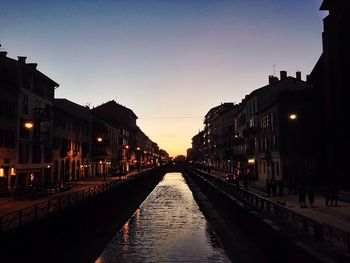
pixel 22 59
pixel 298 75
pixel 272 79
pixel 32 65
pixel 3 53
pixel 283 74
pixel 308 78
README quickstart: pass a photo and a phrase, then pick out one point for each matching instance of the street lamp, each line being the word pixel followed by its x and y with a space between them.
pixel 28 125
pixel 293 116
pixel 139 159
pixel 99 139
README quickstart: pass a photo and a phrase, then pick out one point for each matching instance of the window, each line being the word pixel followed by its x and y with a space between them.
pixel 23 153
pixel 84 149
pixel 36 157
pixel 37 104
pixel 25 104
pixel 56 143
pixel 47 155
pixel 272 124
pixel 9 139
pixel 264 167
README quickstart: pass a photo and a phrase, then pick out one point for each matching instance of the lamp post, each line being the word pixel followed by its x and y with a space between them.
pixel 138 159
pixel 99 140
pixel 125 163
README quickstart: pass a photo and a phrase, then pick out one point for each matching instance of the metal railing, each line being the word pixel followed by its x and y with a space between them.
pixel 19 218
pixel 333 237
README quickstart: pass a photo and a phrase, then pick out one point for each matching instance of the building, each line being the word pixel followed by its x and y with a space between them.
pixel 197 153
pixel 217 122
pixel 283 149
pixel 253 123
pixel 26 159
pixel 71 141
pixel 331 79
pixel 124 119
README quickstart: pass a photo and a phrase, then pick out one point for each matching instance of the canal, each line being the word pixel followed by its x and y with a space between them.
pixel 167 227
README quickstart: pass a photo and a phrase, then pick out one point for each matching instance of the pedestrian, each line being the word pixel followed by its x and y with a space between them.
pixel 334 196
pixel 268 187
pixel 274 188
pixel 302 196
pixel 280 187
pixel 295 184
pixel 327 195
pixel 245 181
pixel 311 196
pixel 290 187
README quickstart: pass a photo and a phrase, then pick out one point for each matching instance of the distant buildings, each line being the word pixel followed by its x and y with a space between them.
pixel 264 136
pixel 46 141
pixel 218 122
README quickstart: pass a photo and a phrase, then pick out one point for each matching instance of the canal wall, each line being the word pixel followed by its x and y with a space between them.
pixel 80 234
pixel 279 243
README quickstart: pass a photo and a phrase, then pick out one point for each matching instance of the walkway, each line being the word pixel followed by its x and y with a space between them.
pixel 337 217
pixel 9 204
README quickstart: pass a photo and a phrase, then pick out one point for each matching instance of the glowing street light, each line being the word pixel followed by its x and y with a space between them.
pixel 293 116
pixel 99 139
pixel 28 124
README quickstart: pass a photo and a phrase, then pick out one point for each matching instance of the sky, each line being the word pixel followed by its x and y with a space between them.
pixel 169 61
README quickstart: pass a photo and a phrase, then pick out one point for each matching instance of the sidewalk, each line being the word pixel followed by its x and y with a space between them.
pixel 338 217
pixel 9 204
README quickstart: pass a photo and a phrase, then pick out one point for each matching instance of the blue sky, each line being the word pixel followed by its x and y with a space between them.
pixel 170 61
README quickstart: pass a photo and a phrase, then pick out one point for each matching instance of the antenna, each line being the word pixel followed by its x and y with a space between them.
pixel 274 70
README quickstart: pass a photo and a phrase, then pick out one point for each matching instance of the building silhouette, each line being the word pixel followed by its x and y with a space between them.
pixel 26 130
pixel 331 79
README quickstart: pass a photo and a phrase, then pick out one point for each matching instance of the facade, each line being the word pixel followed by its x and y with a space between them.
pixel 31 104
pixel 217 122
pixel 284 149
pixel 71 141
pixel 123 119
pixel 252 124
pixel 46 141
pixel 268 136
pixel 197 154
pixel 331 79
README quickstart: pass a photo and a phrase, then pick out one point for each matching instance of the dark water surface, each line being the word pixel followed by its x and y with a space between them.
pixel 168 227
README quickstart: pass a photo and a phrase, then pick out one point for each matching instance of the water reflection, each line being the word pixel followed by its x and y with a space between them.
pixel 168 227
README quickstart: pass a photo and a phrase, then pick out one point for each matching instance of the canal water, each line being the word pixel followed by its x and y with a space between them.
pixel 168 227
